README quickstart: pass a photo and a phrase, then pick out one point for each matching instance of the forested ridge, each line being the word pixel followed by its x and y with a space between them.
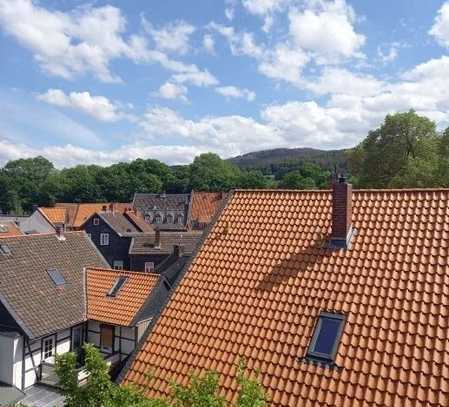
pixel 405 151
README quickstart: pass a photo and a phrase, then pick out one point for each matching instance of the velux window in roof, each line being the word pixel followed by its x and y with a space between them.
pixel 56 277
pixel 326 337
pixel 4 249
pixel 118 284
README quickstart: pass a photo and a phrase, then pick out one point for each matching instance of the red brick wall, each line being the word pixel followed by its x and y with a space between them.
pixel 341 209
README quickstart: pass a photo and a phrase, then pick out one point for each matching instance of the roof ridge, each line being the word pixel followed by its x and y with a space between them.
pixel 140 273
pixel 354 190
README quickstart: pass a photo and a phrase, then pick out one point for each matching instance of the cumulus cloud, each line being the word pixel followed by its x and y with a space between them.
pixel 173 37
pixel 197 78
pixel 235 92
pixel 440 28
pixel 99 107
pixel 87 39
pixel 326 29
pixel 172 91
pixel 389 54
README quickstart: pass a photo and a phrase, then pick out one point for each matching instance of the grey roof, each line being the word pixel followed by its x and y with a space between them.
pixel 119 222
pixel 162 202
pixel 28 292
pixel 145 244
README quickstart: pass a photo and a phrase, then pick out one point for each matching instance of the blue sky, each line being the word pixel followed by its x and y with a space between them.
pixel 108 81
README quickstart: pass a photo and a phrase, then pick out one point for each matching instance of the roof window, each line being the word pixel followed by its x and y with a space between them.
pixel 326 337
pixel 4 249
pixel 56 277
pixel 4 229
pixel 118 284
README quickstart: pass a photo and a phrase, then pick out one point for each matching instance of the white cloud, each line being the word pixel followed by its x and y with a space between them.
pixel 209 44
pixel 326 29
pixel 440 28
pixel 341 81
pixel 387 55
pixel 87 39
pixel 234 92
pixel 99 107
pixel 263 7
pixel 174 37
pixel 172 91
pixel 197 78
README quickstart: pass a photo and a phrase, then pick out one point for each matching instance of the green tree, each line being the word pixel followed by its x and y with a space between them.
pixel 295 180
pixel 388 151
pixel 209 172
pixel 254 179
pixel 202 391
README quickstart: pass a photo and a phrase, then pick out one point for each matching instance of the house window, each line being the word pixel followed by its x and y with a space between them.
pixel 180 219
pixel 48 348
pixel 170 218
pixel 89 235
pixel 326 337
pixel 104 239
pixel 158 218
pixel 107 338
pixel 96 221
pixel 118 264
pixel 149 266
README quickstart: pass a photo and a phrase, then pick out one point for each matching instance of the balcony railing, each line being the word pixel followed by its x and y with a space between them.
pixel 48 376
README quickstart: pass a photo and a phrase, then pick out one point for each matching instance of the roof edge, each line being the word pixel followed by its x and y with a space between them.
pixel 18 320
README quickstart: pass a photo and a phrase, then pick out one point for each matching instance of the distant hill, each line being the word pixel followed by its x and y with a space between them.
pixel 267 160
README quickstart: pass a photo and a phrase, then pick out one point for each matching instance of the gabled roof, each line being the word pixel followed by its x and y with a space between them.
pixel 27 290
pixel 145 244
pixel 78 213
pixel 54 215
pixel 119 223
pixel 8 229
pixel 123 308
pixel 258 284
pixel 204 205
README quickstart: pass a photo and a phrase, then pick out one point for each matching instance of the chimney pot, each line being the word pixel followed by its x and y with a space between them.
pixel 341 212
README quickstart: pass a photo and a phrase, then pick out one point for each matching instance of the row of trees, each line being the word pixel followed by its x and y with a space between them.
pixel 31 181
pixel 203 391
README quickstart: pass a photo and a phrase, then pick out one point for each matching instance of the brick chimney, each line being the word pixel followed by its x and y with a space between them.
pixel 341 213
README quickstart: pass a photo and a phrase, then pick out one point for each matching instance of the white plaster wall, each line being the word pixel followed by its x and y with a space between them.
pixel 18 361
pixel 63 346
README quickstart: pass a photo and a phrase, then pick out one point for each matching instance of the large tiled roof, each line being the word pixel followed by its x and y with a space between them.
pixel 9 228
pixel 258 284
pixel 124 307
pixel 146 243
pixel 204 205
pixel 27 289
pixel 55 215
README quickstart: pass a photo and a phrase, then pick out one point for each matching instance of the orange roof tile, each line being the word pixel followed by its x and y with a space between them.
pixel 204 206
pixel 54 215
pixel 123 308
pixel 259 282
pixel 9 229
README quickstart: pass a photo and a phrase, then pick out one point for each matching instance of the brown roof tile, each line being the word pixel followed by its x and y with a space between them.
pixel 123 308
pixel 264 274
pixel 146 243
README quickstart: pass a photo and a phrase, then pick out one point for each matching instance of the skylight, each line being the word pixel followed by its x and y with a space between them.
pixel 326 337
pixel 56 277
pixel 4 249
pixel 118 284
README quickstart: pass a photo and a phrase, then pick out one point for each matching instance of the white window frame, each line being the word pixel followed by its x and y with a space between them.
pixel 118 265
pixel 149 266
pixel 96 221
pixel 104 239
pixel 48 347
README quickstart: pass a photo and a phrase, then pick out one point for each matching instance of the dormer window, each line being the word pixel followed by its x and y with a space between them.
pixel 170 218
pixel 326 337
pixel 158 218
pixel 180 220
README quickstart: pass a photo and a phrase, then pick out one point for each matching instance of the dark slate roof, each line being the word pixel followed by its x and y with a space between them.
pixel 28 292
pixel 162 202
pixel 119 222
pixel 146 243
pixel 171 267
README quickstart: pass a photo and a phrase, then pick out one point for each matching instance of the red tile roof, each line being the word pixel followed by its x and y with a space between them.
pixel 55 215
pixel 123 308
pixel 264 274
pixel 204 205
